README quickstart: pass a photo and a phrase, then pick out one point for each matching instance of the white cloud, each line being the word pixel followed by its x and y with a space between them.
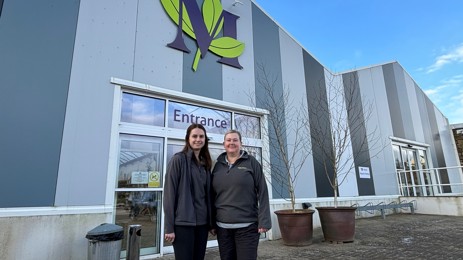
pixel 455 81
pixel 456 114
pixel 455 55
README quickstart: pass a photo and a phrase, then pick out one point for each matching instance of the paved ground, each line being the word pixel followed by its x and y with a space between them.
pixel 400 236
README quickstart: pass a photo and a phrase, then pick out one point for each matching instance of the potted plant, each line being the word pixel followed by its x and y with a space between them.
pixel 289 148
pixel 338 117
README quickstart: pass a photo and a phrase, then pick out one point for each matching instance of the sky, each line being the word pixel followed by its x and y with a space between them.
pixel 424 36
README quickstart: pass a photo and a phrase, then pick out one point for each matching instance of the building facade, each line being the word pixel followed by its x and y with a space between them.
pixel 96 97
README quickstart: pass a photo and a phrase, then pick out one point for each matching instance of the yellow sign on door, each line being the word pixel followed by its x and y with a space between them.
pixel 154 179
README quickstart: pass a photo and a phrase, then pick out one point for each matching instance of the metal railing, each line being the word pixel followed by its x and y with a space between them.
pixel 428 182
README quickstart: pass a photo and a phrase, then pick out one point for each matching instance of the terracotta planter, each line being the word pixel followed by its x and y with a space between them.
pixel 296 227
pixel 338 224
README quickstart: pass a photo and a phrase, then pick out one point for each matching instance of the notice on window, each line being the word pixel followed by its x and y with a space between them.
pixel 139 178
pixel 364 172
pixel 154 179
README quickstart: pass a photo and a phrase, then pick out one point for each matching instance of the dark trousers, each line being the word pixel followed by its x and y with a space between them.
pixel 190 242
pixel 239 243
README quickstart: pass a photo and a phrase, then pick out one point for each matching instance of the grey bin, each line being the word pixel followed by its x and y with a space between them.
pixel 104 242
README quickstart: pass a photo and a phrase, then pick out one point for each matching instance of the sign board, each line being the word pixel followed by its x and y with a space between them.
pixel 364 172
pixel 154 179
pixel 139 178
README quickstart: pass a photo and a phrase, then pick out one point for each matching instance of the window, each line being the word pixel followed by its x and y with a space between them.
pixel 140 162
pixel 142 110
pixel 249 126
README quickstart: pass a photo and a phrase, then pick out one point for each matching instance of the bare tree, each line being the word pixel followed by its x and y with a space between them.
pixel 340 138
pixel 287 130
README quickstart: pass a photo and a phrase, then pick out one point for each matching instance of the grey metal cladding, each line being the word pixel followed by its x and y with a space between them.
pixel 435 134
pixel 316 94
pixel 267 56
pixel 393 100
pixel 207 79
pixel 436 141
pixel 359 138
pixel 35 67
pixel 426 124
pixel 404 100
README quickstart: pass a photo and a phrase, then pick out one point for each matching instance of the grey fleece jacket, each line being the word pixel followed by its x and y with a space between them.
pixel 178 194
pixel 240 193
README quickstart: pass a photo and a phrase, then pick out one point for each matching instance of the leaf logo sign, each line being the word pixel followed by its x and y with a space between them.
pixel 204 28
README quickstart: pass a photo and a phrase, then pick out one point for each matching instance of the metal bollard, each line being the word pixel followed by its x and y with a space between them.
pixel 133 242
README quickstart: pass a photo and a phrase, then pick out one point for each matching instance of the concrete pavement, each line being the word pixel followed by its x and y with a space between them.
pixel 399 236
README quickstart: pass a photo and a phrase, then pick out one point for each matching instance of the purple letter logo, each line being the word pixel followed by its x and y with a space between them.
pixel 204 28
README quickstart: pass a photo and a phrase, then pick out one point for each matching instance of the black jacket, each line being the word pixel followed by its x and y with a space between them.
pixel 240 193
pixel 178 194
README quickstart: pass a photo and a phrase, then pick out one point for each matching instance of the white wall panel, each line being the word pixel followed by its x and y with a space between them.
pixel 104 48
pixel 293 77
pixel 414 109
pixel 373 90
pixel 155 63
pixel 238 85
pixel 347 180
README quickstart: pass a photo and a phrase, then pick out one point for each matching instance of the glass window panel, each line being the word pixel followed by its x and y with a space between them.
pixel 397 157
pixel 404 156
pixel 249 126
pixel 142 110
pixel 254 151
pixel 423 161
pixel 182 115
pixel 142 208
pixel 140 162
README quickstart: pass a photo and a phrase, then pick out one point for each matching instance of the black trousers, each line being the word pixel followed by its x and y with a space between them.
pixel 190 242
pixel 239 243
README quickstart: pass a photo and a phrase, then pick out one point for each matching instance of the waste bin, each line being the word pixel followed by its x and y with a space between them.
pixel 104 242
pixel 133 242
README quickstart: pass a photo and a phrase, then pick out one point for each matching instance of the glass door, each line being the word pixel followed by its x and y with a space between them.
pixel 412 168
pixel 412 175
pixel 138 191
pixel 426 175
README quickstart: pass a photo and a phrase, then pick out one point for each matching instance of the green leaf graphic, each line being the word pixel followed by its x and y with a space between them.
pixel 227 47
pixel 196 59
pixel 172 9
pixel 212 11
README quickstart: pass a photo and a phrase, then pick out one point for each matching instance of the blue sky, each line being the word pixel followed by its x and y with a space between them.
pixel 424 36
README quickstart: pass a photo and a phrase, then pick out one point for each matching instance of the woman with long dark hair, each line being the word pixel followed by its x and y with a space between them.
pixel 187 204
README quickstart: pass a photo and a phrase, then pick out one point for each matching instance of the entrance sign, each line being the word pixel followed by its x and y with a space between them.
pixel 204 28
pixel 182 115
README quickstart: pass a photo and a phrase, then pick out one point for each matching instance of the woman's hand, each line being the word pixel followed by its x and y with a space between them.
pixel 170 237
pixel 262 230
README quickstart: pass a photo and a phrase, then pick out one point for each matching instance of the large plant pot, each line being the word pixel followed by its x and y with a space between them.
pixel 296 227
pixel 338 224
